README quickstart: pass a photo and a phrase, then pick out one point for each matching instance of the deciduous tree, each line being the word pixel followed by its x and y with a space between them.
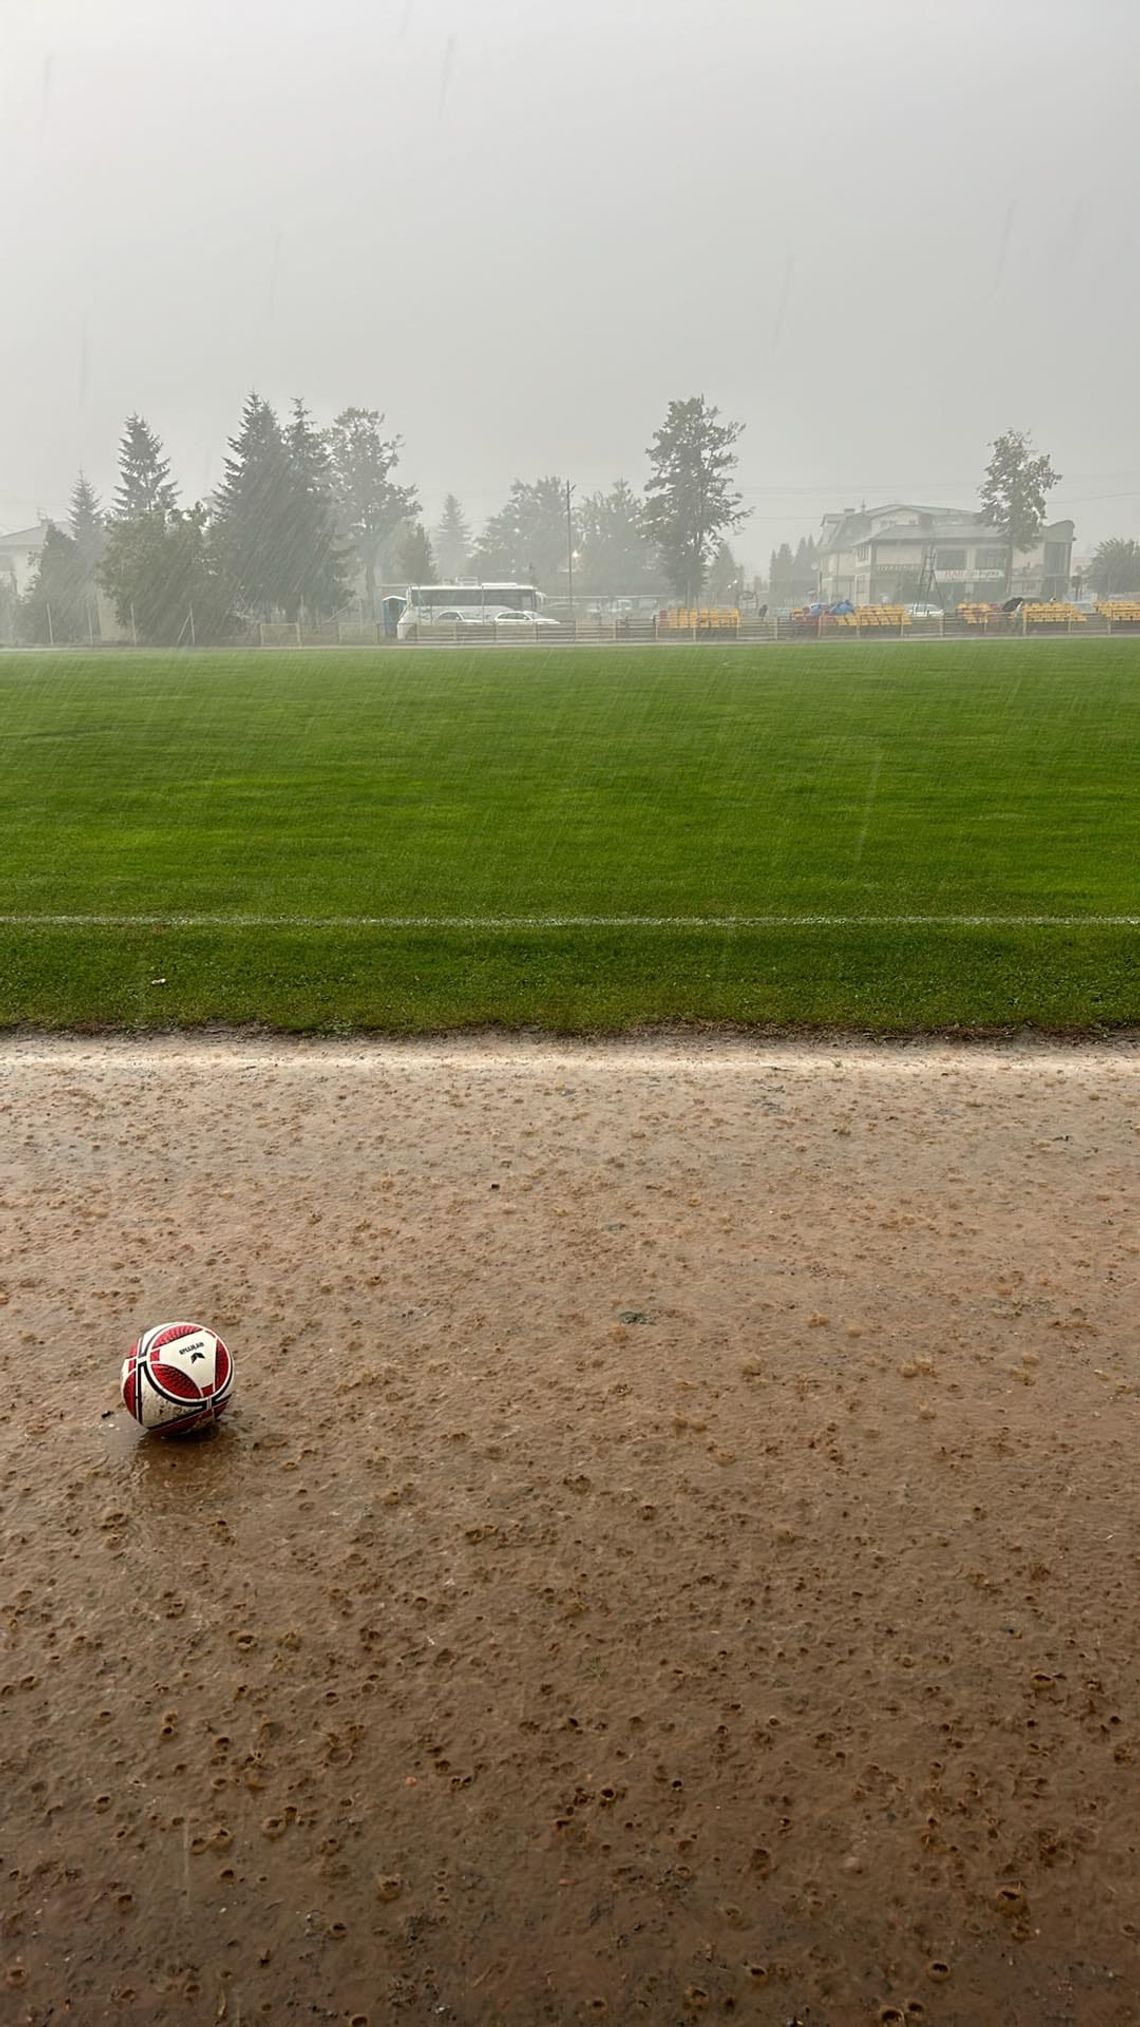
pixel 161 570
pixel 370 505
pixel 1013 493
pixel 526 540
pixel 57 605
pixel 1115 568
pixel 615 553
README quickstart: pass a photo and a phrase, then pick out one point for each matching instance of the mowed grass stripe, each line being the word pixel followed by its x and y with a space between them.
pixel 513 923
pixel 889 839
pixel 685 783
pixel 878 981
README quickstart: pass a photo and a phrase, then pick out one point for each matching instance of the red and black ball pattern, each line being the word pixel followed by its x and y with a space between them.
pixel 177 1377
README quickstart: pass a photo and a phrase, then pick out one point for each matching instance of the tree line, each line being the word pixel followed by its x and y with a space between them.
pixel 792 578
pixel 307 519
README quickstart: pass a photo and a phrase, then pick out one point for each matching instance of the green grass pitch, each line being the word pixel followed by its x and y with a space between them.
pixel 490 795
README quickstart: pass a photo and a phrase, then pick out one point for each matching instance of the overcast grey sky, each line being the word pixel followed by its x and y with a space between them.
pixel 875 231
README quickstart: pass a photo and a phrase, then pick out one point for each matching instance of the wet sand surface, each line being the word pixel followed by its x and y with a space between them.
pixel 673 1555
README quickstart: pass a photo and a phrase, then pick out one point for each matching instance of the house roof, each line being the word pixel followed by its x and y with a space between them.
pixel 940 524
pixel 951 530
pixel 916 507
pixel 851 527
pixel 29 538
pixel 966 529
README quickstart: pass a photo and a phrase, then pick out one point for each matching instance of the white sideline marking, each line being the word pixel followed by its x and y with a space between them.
pixel 721 922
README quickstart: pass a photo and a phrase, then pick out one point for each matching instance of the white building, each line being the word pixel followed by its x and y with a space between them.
pixel 19 560
pixel 20 553
pixel 875 556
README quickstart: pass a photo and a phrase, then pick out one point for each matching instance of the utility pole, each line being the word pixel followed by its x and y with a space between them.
pixel 570 547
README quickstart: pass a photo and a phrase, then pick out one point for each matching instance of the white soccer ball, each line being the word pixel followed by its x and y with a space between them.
pixel 178 1377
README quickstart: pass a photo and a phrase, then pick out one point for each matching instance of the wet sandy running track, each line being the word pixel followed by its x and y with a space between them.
pixel 674 1556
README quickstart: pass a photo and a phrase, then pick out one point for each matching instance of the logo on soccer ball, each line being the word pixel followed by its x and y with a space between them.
pixel 178 1377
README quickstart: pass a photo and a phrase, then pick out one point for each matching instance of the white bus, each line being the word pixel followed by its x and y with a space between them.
pixel 469 603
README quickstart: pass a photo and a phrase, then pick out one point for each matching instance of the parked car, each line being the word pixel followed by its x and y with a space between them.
pixel 499 615
pixel 508 615
pixel 921 611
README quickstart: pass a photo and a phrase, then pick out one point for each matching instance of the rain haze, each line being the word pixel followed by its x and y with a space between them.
pixel 570 1012
pixel 876 236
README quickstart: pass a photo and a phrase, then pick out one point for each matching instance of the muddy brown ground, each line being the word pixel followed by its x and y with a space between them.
pixel 674 1553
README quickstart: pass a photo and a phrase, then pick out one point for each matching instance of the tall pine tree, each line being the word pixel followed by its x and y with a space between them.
pixel 452 543
pixel 314 579
pixel 725 577
pixel 87 529
pixel 689 501
pixel 417 564
pixel 803 572
pixel 253 511
pixel 781 576
pixel 144 474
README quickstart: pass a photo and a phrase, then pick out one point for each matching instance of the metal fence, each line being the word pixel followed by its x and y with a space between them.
pixel 746 630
